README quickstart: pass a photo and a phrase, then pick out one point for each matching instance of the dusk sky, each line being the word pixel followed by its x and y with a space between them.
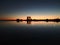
pixel 39 9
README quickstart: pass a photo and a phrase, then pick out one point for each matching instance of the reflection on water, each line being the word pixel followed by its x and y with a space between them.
pixel 29 23
pixel 39 22
pixel 34 31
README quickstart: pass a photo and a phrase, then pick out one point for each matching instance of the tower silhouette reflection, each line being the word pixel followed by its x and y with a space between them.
pixel 28 22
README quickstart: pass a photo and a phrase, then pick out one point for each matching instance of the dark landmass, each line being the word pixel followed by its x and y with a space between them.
pixel 30 19
pixel 53 20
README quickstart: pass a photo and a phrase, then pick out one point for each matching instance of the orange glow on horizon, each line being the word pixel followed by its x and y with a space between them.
pixel 33 17
pixel 40 17
pixel 7 19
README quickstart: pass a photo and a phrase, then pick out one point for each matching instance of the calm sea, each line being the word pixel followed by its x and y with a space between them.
pixel 29 32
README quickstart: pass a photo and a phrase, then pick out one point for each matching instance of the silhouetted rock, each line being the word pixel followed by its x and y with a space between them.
pixel 17 20
pixel 46 20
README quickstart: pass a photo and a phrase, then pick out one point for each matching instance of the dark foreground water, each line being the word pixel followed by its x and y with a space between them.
pixel 29 32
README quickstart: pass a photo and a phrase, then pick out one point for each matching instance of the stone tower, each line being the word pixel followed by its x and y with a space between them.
pixel 28 18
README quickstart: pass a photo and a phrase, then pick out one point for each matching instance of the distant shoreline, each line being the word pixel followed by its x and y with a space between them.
pixel 53 20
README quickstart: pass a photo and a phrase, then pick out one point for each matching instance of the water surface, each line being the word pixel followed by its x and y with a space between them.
pixel 31 32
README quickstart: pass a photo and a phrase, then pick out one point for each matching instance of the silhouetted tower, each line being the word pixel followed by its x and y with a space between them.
pixel 28 18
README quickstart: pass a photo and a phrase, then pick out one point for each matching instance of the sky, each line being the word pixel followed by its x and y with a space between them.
pixel 38 9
